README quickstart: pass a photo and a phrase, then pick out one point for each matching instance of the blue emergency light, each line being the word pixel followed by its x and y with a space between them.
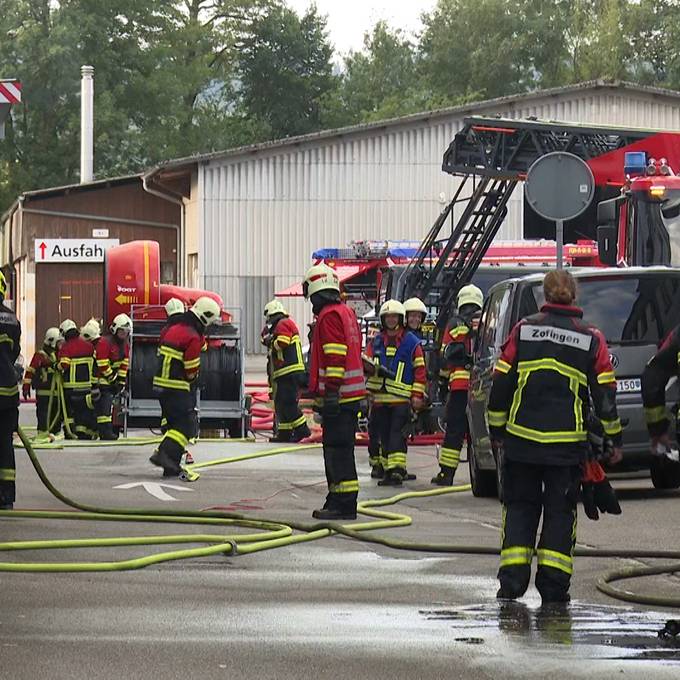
pixel 634 163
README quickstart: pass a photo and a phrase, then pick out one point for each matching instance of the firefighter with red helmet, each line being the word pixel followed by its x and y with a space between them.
pixel 179 355
pixel 77 365
pixel 41 377
pixel 113 359
pixel 456 352
pixel 551 366
pixel 287 368
pixel 10 337
pixel 336 379
pixel 396 383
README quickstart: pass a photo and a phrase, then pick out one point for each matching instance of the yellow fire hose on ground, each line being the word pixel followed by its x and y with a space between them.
pixel 272 533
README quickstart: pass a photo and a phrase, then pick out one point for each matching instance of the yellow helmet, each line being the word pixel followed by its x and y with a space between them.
pixel 320 277
pixel 206 310
pixel 121 322
pixel 415 304
pixel 470 295
pixel 174 306
pixel 274 307
pixel 91 330
pixel 67 325
pixel 393 307
pixel 52 337
pixel 3 286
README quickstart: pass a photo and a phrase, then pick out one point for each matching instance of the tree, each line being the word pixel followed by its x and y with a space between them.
pixel 285 70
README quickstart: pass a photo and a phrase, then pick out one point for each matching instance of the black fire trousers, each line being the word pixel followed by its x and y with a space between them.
pixel 178 408
pixel 9 419
pixel 81 413
pixel 288 414
pixel 456 430
pixel 47 414
pixel 338 456
pixel 387 424
pixel 530 490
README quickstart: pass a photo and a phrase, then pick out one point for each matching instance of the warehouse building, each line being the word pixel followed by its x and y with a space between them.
pixel 52 245
pixel 254 215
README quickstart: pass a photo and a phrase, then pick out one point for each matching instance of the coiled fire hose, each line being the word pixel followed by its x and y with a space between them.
pixel 273 533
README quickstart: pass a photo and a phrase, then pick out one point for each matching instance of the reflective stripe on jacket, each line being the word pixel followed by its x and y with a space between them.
pixel 286 349
pixel 180 357
pixel 76 361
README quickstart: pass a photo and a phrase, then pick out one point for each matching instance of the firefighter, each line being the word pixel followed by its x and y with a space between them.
pixel 10 337
pixel 113 358
pixel 659 370
pixel 456 352
pixel 91 332
pixel 287 368
pixel 337 381
pixel 41 376
pixel 77 363
pixel 174 310
pixel 396 395
pixel 416 313
pixel 179 355
pixel 550 367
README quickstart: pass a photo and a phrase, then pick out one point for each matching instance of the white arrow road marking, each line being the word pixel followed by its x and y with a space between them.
pixel 155 489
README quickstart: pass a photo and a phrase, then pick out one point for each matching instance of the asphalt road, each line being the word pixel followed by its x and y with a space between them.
pixel 330 608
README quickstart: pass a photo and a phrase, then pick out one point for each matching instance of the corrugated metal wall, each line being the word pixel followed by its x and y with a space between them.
pixel 263 215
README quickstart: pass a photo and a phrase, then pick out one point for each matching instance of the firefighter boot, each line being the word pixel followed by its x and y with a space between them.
pixel 301 432
pixel 330 514
pixel 170 467
pixel 377 471
pixel 281 437
pixel 392 478
pixel 444 477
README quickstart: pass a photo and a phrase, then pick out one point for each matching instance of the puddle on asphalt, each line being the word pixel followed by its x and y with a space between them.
pixel 587 630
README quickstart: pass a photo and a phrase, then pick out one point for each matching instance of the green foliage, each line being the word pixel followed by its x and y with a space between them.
pixel 179 77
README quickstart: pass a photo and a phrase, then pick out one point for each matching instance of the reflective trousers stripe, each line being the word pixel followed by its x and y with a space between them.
pixel 516 554
pixel 293 424
pixel 8 474
pixel 449 457
pixel 395 459
pixel 178 437
pixel 104 419
pixel 348 486
pixel 556 560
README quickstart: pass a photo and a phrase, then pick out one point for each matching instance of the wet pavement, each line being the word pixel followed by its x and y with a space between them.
pixel 331 608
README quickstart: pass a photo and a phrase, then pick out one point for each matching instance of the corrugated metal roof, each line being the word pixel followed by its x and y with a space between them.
pixel 455 111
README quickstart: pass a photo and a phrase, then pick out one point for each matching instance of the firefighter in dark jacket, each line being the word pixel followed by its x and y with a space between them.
pixel 10 338
pixel 179 363
pixel 41 377
pixel 77 364
pixel 551 366
pixel 287 367
pixel 456 357
pixel 660 369
pixel 113 359
pixel 394 398
pixel 336 379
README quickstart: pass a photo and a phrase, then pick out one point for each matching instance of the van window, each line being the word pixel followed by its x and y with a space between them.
pixel 490 339
pixel 627 309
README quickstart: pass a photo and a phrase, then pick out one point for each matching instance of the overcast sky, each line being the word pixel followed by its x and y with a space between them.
pixel 348 20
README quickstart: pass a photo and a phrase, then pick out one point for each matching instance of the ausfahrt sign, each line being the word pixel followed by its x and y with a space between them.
pixel 72 249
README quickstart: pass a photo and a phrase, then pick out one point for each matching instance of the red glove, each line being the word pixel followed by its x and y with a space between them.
pixel 26 390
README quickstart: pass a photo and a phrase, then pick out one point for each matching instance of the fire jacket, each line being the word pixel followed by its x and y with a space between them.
pixel 403 355
pixel 550 366
pixel 458 373
pixel 286 349
pixel 113 359
pixel 10 336
pixel 40 372
pixel 180 356
pixel 336 364
pixel 659 370
pixel 77 363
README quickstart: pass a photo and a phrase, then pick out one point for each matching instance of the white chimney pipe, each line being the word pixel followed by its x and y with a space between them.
pixel 86 124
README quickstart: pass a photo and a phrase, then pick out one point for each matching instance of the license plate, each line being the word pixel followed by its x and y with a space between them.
pixel 629 385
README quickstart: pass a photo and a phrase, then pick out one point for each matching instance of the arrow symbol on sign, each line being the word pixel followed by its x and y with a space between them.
pixel 155 489
pixel 43 247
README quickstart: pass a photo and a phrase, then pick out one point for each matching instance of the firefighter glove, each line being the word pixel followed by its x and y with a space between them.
pixel 95 394
pixel 26 391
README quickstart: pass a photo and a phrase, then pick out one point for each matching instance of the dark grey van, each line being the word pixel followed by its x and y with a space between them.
pixel 635 308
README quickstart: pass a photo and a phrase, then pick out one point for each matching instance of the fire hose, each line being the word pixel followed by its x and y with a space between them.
pixel 273 533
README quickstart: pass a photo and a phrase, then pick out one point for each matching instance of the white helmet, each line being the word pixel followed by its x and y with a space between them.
pixel 393 307
pixel 174 306
pixel 206 310
pixel 415 304
pixel 67 325
pixel 91 330
pixel 121 322
pixel 274 307
pixel 470 295
pixel 52 337
pixel 320 277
